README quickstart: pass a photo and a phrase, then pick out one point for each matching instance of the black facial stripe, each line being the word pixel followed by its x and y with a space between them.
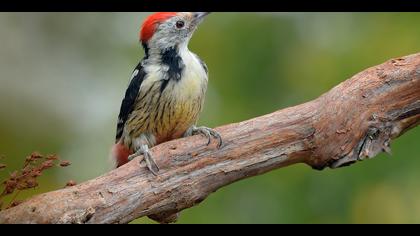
pixel 175 65
pixel 146 50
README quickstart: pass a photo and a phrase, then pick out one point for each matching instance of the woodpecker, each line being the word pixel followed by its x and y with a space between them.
pixel 166 92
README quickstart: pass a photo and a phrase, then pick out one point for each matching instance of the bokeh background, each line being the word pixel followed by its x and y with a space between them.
pixel 63 75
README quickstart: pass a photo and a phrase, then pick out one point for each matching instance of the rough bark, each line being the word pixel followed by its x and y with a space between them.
pixel 353 121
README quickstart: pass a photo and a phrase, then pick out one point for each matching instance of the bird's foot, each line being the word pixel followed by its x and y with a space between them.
pixel 150 163
pixel 208 132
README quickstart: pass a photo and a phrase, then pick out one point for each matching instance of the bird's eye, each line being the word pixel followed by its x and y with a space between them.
pixel 180 24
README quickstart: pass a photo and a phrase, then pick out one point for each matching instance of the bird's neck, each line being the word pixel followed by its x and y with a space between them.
pixel 166 54
pixel 154 51
pixel 170 60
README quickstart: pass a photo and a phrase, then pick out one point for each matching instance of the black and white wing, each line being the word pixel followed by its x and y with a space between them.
pixel 129 100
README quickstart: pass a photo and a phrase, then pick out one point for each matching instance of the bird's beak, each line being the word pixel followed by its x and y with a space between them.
pixel 199 16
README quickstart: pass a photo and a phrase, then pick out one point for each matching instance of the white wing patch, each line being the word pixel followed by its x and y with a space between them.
pixel 135 72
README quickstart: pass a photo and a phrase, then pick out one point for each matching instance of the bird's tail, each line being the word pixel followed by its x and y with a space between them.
pixel 119 154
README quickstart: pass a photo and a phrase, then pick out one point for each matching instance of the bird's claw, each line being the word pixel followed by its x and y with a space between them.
pixel 208 132
pixel 147 157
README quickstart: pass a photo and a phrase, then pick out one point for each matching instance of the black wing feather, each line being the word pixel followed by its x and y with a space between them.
pixel 130 97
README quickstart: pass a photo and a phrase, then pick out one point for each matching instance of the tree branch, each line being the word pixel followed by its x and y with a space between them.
pixel 353 121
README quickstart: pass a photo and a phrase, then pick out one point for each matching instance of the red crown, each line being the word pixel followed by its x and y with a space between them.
pixel 149 25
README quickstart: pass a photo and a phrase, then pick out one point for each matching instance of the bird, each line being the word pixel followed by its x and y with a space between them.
pixel 166 91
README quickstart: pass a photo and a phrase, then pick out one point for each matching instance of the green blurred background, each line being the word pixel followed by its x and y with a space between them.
pixel 63 75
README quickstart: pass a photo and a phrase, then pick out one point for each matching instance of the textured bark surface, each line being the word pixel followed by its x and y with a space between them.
pixel 355 120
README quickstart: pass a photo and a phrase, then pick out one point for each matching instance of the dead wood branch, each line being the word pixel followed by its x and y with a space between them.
pixel 353 121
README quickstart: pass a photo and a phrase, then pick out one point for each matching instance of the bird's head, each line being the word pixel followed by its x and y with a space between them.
pixel 169 29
